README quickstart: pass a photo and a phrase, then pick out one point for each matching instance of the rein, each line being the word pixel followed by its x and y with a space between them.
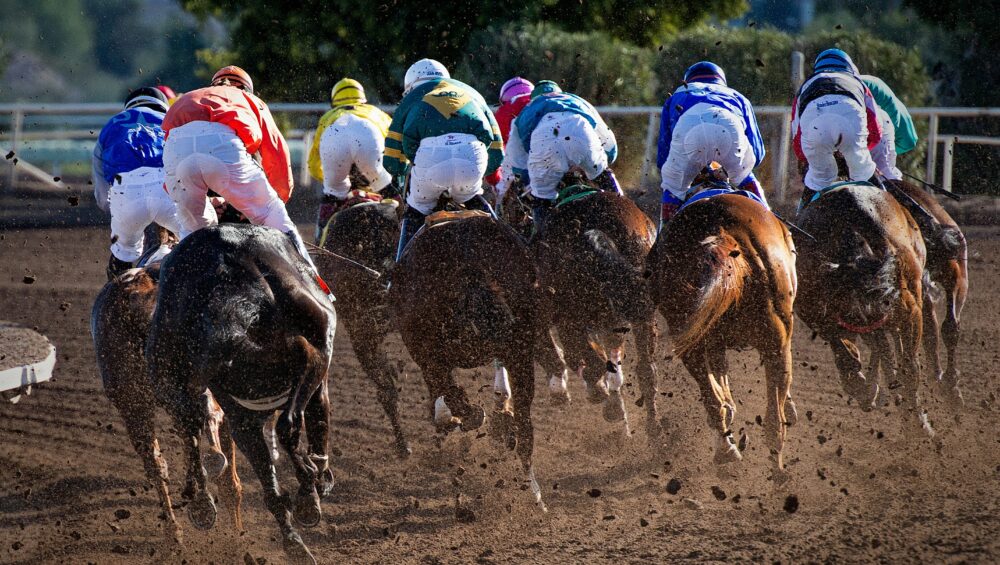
pixel 351 262
pixel 863 329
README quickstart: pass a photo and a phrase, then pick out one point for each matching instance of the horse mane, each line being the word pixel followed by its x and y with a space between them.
pixel 722 286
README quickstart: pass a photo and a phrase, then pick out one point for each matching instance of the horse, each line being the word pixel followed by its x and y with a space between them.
pixel 862 274
pixel 466 293
pixel 722 274
pixel 591 254
pixel 240 313
pixel 119 322
pixel 366 233
pixel 947 266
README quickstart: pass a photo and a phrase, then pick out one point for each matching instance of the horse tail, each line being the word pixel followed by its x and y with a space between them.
pixel 868 279
pixel 722 284
pixel 621 283
pixel 485 311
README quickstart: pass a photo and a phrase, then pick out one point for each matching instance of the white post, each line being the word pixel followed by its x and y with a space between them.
pixel 781 166
pixel 652 126
pixel 16 127
pixel 932 142
pixel 798 70
pixel 949 156
pixel 304 178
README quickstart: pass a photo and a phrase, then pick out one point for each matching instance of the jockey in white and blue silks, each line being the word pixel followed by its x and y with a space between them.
pixel 705 120
pixel 555 132
pixel 128 175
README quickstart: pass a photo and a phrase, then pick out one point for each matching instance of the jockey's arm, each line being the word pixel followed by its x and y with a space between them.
pixel 315 164
pixel 666 133
pixel 515 156
pixel 275 157
pixel 101 186
pixel 753 132
pixel 607 137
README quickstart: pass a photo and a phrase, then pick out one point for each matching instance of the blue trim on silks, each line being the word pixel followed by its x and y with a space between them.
pixel 719 191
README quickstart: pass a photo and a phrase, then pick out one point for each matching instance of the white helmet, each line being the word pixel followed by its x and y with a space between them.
pixel 422 70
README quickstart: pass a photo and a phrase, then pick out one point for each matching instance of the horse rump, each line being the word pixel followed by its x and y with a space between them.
pixel 484 311
pixel 621 283
pixel 866 280
pixel 723 272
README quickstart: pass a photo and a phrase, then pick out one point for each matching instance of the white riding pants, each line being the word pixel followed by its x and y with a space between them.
pixel 136 201
pixel 351 140
pixel 835 123
pixel 884 154
pixel 561 141
pixel 706 133
pixel 454 163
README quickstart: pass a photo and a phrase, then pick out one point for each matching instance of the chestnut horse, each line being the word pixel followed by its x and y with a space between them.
pixel 241 314
pixel 366 233
pixel 591 254
pixel 119 324
pixel 465 293
pixel 862 275
pixel 947 265
pixel 722 273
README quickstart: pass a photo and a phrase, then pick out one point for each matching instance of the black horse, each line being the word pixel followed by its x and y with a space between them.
pixel 240 313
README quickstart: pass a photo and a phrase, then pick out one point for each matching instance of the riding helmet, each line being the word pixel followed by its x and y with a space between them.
pixel 514 88
pixel 834 60
pixel 424 69
pixel 545 87
pixel 147 97
pixel 233 76
pixel 347 91
pixel 705 71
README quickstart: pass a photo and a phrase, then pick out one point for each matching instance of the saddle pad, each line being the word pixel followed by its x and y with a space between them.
pixel 444 216
pixel 575 192
pixel 835 187
pixel 705 194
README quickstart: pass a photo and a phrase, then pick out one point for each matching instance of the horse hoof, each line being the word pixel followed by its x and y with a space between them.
pixel 403 450
pixel 924 425
pixel 214 463
pixel 307 510
pixel 325 483
pixel 614 408
pixel 948 385
pixel 297 551
pixel 791 413
pixel 727 452
pixel 597 393
pixel 202 512
pixel 474 419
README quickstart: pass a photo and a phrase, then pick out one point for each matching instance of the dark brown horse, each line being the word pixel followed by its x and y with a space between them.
pixel 723 276
pixel 464 294
pixel 591 256
pixel 366 233
pixel 120 322
pixel 863 276
pixel 240 313
pixel 947 265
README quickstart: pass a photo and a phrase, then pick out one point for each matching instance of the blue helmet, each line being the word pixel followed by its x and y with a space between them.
pixel 705 71
pixel 834 60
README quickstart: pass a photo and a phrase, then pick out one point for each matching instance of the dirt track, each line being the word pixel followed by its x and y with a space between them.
pixel 864 494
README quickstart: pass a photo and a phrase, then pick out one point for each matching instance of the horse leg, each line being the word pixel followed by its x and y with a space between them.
pixel 645 344
pixel 501 426
pixel 909 373
pixel 188 411
pixel 579 351
pixel 931 336
pixel 614 378
pixel 137 413
pixel 955 281
pixel 245 427
pixel 318 434
pixel 230 487
pixel 213 459
pixel 523 390
pixel 778 369
pixel 436 378
pixel 367 345
pixel 848 361
pixel 714 398
pixel 549 355
pixel 882 362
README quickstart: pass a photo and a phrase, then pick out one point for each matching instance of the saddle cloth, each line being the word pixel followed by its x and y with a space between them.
pixel 442 217
pixel 705 194
pixel 835 187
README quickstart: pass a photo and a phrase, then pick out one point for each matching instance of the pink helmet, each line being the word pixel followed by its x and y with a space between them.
pixel 514 88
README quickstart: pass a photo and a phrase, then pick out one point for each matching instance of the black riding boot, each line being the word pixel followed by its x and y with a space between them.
pixel 478 202
pixel 116 267
pixel 412 220
pixel 540 211
pixel 807 196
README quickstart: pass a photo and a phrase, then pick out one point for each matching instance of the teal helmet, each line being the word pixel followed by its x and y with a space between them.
pixel 545 87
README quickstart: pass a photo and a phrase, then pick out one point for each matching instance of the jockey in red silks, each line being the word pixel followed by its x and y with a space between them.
pixel 514 96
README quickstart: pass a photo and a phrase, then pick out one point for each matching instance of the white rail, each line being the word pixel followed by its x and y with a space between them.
pixel 17 112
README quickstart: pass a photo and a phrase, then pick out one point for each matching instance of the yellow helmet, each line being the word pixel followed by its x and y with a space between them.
pixel 347 91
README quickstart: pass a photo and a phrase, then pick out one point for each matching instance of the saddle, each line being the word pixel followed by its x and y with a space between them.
pixel 833 188
pixel 707 193
pixel 574 192
pixel 442 217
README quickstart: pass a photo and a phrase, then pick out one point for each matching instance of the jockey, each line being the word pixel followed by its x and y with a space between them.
pixel 834 111
pixel 222 138
pixel 514 96
pixel 352 134
pixel 128 176
pixel 554 133
pixel 168 92
pixel 898 133
pixel 705 120
pixel 447 131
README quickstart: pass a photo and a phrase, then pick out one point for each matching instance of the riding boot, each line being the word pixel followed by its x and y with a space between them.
pixel 116 267
pixel 807 196
pixel 540 211
pixel 391 190
pixel 607 182
pixel 876 180
pixel 478 202
pixel 328 207
pixel 412 220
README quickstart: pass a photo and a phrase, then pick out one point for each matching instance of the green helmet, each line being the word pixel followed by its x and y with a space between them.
pixel 545 87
